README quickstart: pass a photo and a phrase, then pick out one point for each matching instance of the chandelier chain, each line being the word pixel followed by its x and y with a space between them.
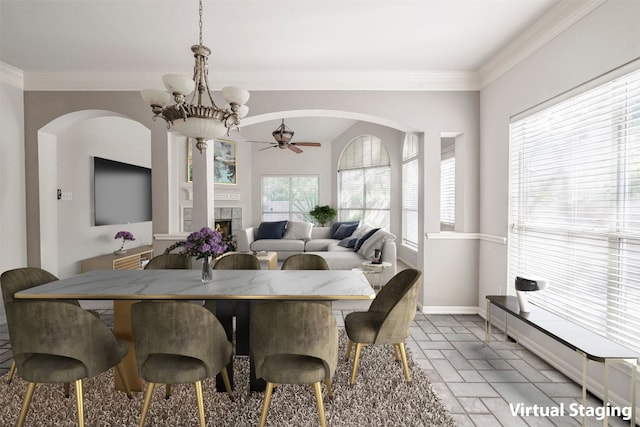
pixel 200 20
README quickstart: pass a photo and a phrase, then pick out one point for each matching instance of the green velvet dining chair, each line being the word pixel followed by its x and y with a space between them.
pixel 169 262
pixel 58 342
pixel 387 321
pixel 19 279
pixel 294 343
pixel 236 261
pixel 305 262
pixel 178 342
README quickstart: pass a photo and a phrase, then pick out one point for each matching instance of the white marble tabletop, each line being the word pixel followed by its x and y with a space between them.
pixel 225 284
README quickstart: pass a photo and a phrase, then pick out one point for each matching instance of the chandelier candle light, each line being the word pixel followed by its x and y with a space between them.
pixel 194 119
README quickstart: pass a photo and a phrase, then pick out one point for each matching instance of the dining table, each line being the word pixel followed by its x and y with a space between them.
pixel 235 293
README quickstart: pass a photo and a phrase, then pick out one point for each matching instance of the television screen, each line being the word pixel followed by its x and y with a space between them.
pixel 122 192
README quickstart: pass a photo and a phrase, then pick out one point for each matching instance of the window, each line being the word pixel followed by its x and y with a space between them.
pixel 410 189
pixel 364 180
pixel 447 185
pixel 289 197
pixel 575 207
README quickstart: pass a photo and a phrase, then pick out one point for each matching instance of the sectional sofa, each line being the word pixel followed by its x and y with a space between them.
pixel 344 245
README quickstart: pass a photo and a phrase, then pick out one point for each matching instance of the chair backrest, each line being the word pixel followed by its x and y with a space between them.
pixel 61 329
pixel 294 327
pixel 305 262
pixel 19 279
pixel 397 300
pixel 237 262
pixel 181 328
pixel 169 261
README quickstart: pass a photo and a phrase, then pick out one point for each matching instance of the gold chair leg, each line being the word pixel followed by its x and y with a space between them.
pixel 25 405
pixel 318 391
pixel 147 401
pixel 80 402
pixel 227 383
pixel 405 365
pixel 327 383
pixel 12 371
pixel 356 359
pixel 167 391
pixel 348 353
pixel 265 404
pixel 67 389
pixel 200 400
pixel 396 352
pixel 123 377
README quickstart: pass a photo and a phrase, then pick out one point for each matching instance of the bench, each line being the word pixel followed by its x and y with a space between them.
pixel 588 344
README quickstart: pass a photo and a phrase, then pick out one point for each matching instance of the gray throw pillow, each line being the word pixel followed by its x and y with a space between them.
pixel 298 230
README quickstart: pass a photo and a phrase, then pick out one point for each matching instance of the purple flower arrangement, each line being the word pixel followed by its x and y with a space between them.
pixel 124 235
pixel 204 243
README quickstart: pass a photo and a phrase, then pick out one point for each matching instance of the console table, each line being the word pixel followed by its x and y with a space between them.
pixel 132 260
pixel 588 344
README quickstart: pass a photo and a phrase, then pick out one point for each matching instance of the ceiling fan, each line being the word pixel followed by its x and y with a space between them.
pixel 283 136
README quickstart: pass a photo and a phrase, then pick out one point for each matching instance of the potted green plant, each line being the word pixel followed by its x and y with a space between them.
pixel 323 214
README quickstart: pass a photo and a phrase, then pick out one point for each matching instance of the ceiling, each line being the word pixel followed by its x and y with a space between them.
pixel 269 44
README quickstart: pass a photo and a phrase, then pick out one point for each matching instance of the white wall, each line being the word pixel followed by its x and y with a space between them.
pixel 113 138
pixel 13 223
pixel 603 40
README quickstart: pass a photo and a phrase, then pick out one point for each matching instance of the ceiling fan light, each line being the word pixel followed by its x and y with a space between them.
pixel 155 97
pixel 242 112
pixel 178 84
pixel 195 127
pixel 235 95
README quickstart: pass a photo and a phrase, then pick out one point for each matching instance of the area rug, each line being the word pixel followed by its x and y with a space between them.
pixel 380 397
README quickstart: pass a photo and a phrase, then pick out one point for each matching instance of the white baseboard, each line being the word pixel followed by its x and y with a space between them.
pixel 435 309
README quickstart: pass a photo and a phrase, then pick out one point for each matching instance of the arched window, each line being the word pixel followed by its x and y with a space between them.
pixel 410 190
pixel 364 181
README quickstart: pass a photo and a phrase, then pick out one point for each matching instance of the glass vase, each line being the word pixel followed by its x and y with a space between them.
pixel 207 271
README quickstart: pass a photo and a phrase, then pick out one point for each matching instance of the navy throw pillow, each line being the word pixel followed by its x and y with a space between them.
pixel 348 242
pixel 271 230
pixel 364 238
pixel 336 225
pixel 345 230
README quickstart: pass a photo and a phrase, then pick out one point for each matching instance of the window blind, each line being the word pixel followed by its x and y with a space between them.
pixel 364 179
pixel 448 192
pixel 410 190
pixel 574 207
pixel 289 197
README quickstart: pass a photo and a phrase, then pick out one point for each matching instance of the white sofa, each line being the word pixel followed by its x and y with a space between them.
pixel 321 243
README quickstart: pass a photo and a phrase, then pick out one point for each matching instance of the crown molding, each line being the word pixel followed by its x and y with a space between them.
pixel 11 75
pixel 561 17
pixel 392 81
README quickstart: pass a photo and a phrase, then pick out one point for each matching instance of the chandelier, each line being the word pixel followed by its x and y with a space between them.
pixel 194 119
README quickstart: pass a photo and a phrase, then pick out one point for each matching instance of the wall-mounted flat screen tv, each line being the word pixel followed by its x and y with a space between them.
pixel 122 192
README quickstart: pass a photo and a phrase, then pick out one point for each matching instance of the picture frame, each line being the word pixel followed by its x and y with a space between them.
pixel 224 162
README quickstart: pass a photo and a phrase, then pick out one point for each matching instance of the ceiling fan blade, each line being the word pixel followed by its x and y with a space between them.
pixel 294 149
pixel 266 148
pixel 307 144
pixel 264 142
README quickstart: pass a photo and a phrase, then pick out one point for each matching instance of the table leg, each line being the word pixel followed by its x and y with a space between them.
pixel 487 339
pixel 122 329
pixel 224 313
pixel 243 319
pixel 584 386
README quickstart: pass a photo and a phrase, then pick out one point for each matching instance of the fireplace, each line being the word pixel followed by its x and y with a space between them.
pixel 227 220
pixel 225 227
